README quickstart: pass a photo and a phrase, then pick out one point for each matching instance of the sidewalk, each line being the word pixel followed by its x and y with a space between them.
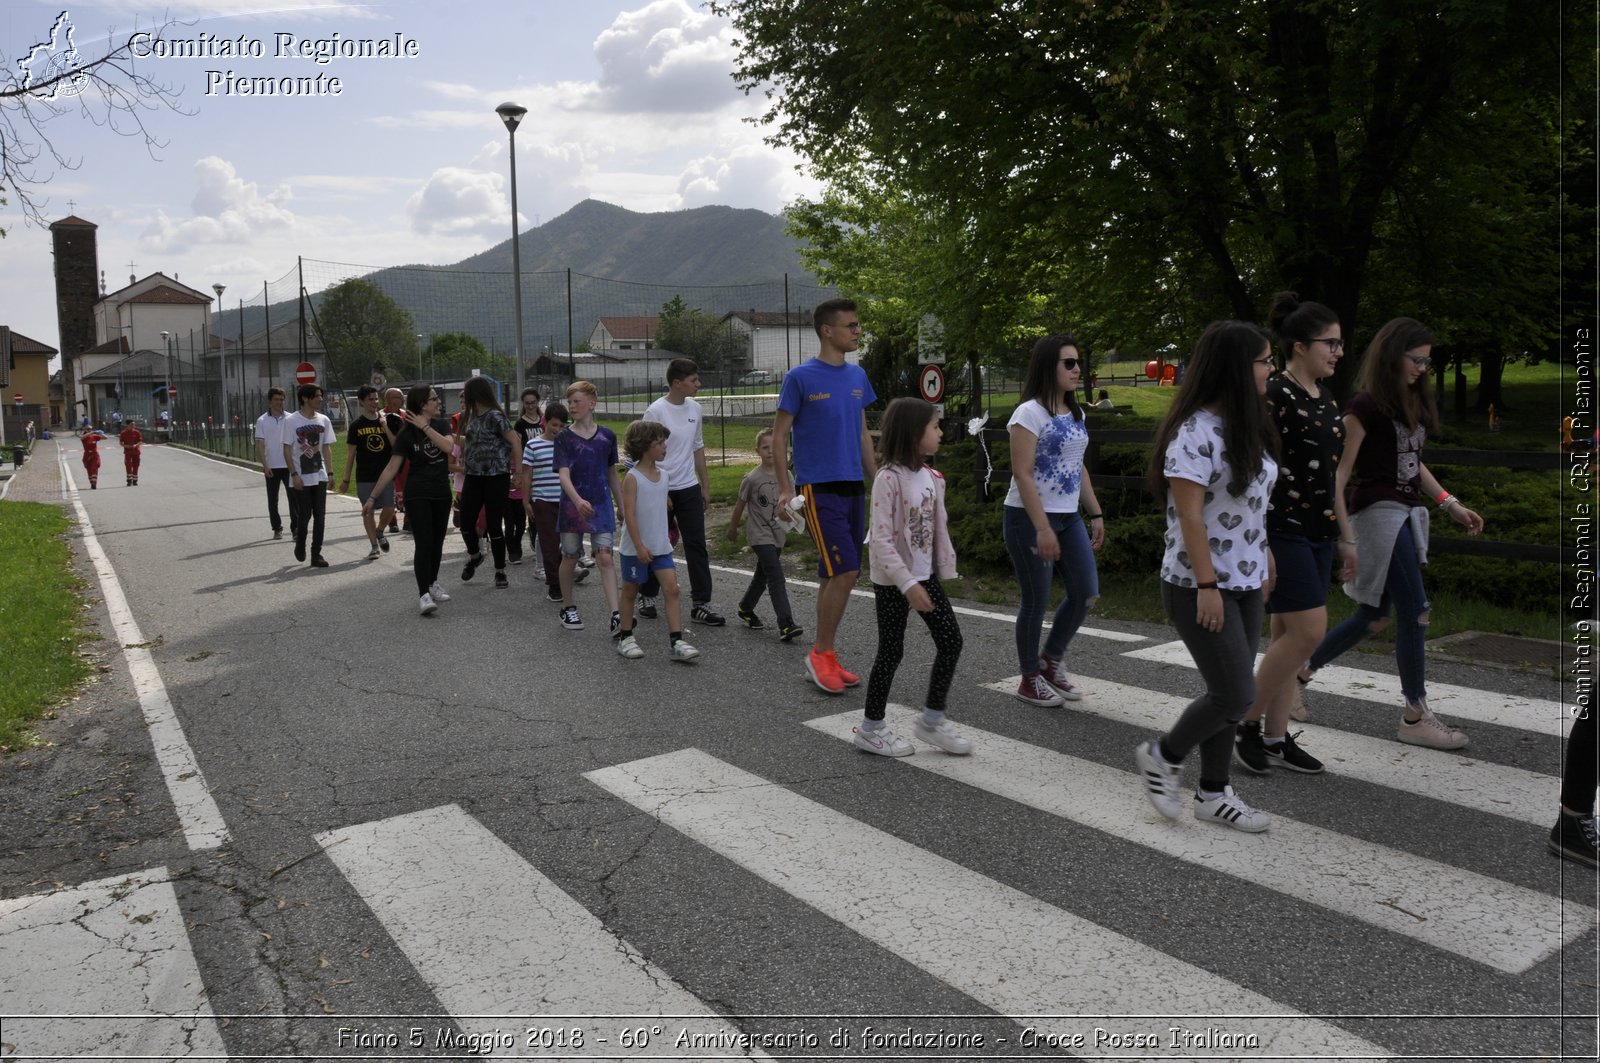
pixel 39 479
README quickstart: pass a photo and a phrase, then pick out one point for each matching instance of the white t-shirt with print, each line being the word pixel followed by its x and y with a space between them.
pixel 1057 457
pixel 1236 526
pixel 684 422
pixel 308 435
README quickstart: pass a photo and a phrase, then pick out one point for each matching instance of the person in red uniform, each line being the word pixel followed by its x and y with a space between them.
pixel 132 441
pixel 91 455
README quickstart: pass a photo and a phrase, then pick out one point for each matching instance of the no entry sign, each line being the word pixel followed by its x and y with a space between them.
pixel 305 373
pixel 931 381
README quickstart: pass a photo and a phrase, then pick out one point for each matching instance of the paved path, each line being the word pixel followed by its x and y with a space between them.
pixel 295 818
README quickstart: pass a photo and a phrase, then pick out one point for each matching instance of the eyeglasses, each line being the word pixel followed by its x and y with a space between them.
pixel 1419 361
pixel 1267 361
pixel 1335 344
pixel 853 326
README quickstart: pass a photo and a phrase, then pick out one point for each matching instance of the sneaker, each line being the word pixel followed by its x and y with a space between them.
pixel 394 526
pixel 788 631
pixel 647 606
pixel 823 672
pixel 427 606
pixel 374 554
pixel 500 580
pixel 1035 691
pixel 318 561
pixel 570 619
pixel 299 550
pixel 1160 779
pixel 438 592
pixel 883 742
pixel 514 556
pixel 1229 810
pixel 1430 731
pixel 846 676
pixel 1290 756
pixel 616 624
pixel 1298 710
pixel 683 652
pixel 552 594
pixel 277 533
pixel 539 573
pixel 1575 838
pixel 1249 750
pixel 579 575
pixel 750 620
pixel 473 561
pixel 628 646
pixel 1054 674
pixel 586 563
pixel 944 736
pixel 706 614
pixel 383 542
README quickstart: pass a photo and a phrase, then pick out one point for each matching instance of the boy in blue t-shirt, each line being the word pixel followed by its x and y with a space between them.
pixel 586 461
pixel 824 402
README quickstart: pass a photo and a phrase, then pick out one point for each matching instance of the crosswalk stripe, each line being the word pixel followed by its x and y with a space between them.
pixel 1008 950
pixel 1507 927
pixel 493 937
pixel 1500 789
pixel 1540 715
pixel 963 610
pixel 118 950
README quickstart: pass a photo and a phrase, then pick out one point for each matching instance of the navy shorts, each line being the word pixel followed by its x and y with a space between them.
pixel 635 571
pixel 1304 569
pixel 838 524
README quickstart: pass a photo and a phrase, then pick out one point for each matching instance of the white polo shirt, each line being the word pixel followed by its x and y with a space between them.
pixel 269 430
pixel 684 422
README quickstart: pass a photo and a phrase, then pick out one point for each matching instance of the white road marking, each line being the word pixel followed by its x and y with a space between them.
pixel 493 937
pixel 203 825
pixel 1494 923
pixel 103 970
pixel 1540 715
pixel 1515 793
pixel 1010 951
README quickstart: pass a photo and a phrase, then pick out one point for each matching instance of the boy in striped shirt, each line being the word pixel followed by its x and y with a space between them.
pixel 541 493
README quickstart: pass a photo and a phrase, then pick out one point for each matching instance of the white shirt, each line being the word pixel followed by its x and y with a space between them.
pixel 1061 442
pixel 1236 525
pixel 269 430
pixel 308 436
pixel 684 422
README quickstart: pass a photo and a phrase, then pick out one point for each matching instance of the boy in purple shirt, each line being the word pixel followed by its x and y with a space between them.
pixel 586 461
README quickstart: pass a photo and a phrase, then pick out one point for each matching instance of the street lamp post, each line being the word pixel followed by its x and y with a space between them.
pixel 172 407
pixel 511 114
pixel 222 354
pixel 419 357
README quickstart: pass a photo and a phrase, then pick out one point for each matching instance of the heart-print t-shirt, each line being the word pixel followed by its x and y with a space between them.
pixel 1235 524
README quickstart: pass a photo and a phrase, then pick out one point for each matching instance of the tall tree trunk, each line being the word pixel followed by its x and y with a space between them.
pixel 1491 372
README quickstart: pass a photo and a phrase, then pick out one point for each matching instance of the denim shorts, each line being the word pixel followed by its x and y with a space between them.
pixel 572 542
pixel 1304 568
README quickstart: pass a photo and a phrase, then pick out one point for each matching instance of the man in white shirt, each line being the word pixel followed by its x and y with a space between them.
pixel 688 484
pixel 269 451
pixel 308 452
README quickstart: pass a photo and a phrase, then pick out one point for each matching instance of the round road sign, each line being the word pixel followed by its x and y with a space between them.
pixel 305 373
pixel 931 380
pixel 17 398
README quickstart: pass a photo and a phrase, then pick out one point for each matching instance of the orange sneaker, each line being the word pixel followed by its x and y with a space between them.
pixel 846 677
pixel 823 670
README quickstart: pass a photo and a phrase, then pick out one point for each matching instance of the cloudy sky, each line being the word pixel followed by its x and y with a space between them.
pixel 632 103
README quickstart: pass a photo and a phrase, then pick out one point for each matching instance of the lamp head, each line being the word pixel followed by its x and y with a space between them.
pixel 511 114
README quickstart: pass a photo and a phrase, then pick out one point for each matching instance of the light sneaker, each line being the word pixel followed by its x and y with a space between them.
pixel 586 562
pixel 1229 810
pixel 1160 779
pixel 683 652
pixel 628 646
pixel 822 671
pixel 1035 691
pixel 1430 731
pixel 427 606
pixel 883 742
pixel 374 554
pixel 944 736
pixel 570 619
pixel 1055 674
pixel 438 592
pixel 579 575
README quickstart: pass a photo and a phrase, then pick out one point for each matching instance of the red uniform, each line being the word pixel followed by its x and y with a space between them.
pixel 91 456
pixel 131 439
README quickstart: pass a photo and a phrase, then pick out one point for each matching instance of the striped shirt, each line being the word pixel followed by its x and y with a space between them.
pixel 543 482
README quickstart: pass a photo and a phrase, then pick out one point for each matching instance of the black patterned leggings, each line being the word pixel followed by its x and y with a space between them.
pixel 892 612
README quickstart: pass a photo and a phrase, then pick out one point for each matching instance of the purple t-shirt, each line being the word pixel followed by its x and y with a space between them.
pixel 590 461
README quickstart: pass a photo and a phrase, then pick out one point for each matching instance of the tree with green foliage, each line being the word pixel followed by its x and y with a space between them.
pixel 693 333
pixel 361 327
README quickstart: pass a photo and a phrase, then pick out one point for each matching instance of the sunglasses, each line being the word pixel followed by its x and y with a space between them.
pixel 1070 363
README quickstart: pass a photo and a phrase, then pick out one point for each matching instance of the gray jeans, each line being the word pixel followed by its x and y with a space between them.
pixel 1227 663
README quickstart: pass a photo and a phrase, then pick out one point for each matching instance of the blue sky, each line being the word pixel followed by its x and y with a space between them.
pixel 632 103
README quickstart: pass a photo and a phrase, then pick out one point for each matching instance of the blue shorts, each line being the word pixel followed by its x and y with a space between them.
pixel 1304 569
pixel 385 500
pixel 635 571
pixel 838 524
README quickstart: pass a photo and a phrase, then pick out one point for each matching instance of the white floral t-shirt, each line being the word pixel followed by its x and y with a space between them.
pixel 1235 525
pixel 1057 459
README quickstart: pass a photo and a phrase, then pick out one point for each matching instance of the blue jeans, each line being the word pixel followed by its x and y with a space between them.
pixel 1077 572
pixel 1404 593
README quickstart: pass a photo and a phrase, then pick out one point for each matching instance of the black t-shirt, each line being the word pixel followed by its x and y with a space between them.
pixel 1311 442
pixel 527 429
pixel 430 467
pixel 372 448
pixel 1389 464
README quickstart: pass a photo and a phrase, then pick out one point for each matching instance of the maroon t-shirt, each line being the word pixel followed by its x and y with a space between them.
pixel 1388 466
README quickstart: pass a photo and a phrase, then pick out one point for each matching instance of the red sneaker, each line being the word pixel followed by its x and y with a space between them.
pixel 848 678
pixel 823 670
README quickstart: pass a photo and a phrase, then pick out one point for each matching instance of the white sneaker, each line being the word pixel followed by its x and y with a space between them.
pixel 1430 731
pixel 629 647
pixel 374 554
pixel 883 742
pixel 427 605
pixel 944 736
pixel 1229 810
pixel 682 651
pixel 438 592
pixel 1160 779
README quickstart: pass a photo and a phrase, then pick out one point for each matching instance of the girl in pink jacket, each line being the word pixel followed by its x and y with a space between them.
pixel 910 551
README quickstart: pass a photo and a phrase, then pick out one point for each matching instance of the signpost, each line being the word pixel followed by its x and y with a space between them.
pixel 931 383
pixel 305 373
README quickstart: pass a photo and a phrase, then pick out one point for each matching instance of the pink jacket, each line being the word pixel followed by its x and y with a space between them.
pixel 892 510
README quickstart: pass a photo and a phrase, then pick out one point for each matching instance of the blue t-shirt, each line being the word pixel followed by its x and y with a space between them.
pixel 590 461
pixel 826 402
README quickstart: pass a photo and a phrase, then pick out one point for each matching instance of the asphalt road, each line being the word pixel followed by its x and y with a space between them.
pixel 397 836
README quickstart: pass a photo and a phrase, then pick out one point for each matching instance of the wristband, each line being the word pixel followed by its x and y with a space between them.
pixel 1443 496
pixel 1093 516
pixel 1208 585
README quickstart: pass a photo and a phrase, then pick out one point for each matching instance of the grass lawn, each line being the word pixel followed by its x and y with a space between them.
pixel 41 619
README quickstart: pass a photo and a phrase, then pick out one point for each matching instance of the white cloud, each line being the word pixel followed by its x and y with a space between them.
pixel 226 209
pixel 751 175
pixel 666 57
pixel 457 201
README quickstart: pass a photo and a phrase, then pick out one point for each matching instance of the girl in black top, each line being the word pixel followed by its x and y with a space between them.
pixel 426 442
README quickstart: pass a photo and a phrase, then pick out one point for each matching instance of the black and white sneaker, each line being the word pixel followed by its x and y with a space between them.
pixel 788 631
pixel 570 619
pixel 383 542
pixel 1160 779
pixel 1290 756
pixel 706 614
pixel 552 595
pixel 1228 809
pixel 500 580
pixel 1575 838
pixel 616 625
pixel 1248 749
pixel 647 606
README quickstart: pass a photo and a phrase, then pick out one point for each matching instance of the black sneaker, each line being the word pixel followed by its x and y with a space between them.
pixel 750 620
pixel 318 561
pixel 394 526
pixel 514 556
pixel 616 625
pixel 705 614
pixel 500 581
pixel 788 631
pixel 299 551
pixel 551 594
pixel 1574 838
pixel 473 561
pixel 383 542
pixel 1248 748
pixel 277 533
pixel 1290 756
pixel 647 606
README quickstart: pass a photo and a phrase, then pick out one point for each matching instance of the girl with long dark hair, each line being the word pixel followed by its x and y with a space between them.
pixel 425 442
pixel 1213 460
pixel 491 453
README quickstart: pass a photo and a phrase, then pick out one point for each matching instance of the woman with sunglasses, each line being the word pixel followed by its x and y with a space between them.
pixel 1386 424
pixel 1052 521
pixel 425 441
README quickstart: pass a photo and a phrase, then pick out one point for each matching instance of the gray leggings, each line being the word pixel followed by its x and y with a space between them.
pixel 1227 663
